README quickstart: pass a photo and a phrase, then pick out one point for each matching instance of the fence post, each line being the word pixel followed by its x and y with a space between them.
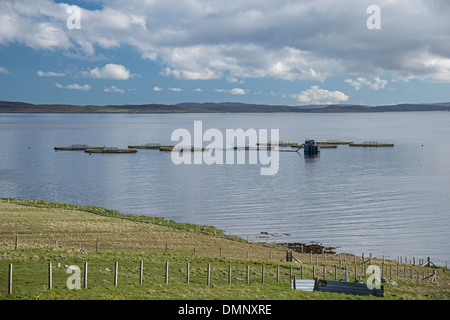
pixel 167 273
pixel 278 272
pixel 116 267
pixel 141 272
pixel 229 274
pixel 262 274
pixel 187 272
pixel 10 279
pixel 294 283
pixel 96 246
pixel 85 274
pixel 208 276
pixel 50 276
pixel 248 274
pixel 17 241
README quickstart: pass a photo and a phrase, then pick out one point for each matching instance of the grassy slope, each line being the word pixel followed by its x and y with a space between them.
pixel 39 226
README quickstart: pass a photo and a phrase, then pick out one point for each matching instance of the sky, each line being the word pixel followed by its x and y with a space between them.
pixel 285 52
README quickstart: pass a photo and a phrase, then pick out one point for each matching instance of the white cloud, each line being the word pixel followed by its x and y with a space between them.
pixel 156 88
pixel 198 90
pixel 175 89
pixel 74 86
pixel 114 89
pixel 234 91
pixel 315 95
pixel 376 84
pixel 50 74
pixel 238 91
pixel 4 70
pixel 109 71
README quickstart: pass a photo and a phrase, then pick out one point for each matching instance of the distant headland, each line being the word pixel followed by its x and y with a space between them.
pixel 210 107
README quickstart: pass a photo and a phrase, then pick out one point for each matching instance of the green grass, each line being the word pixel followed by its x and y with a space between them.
pixel 128 240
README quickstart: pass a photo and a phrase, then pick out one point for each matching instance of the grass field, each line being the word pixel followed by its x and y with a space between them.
pixel 35 233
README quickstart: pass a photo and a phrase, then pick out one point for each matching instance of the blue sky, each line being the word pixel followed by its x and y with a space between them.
pixel 254 51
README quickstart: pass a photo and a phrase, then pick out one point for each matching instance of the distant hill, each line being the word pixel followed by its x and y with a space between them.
pixel 210 107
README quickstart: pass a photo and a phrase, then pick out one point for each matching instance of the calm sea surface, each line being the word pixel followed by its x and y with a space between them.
pixel 385 201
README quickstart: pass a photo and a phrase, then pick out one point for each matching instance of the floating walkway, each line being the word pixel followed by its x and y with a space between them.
pixel 77 147
pixel 371 144
pixel 279 143
pixel 327 146
pixel 110 150
pixel 145 146
pixel 333 142
pixel 181 148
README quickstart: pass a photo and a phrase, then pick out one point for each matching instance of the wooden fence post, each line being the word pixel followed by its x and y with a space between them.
pixel 187 272
pixel 248 274
pixel 10 279
pixel 141 272
pixel 278 272
pixel 229 274
pixel 262 274
pixel 116 267
pixel 208 276
pixel 50 280
pixel 85 274
pixel 167 273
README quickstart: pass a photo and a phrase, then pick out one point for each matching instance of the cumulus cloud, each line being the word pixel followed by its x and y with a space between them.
pixel 238 91
pixel 74 86
pixel 175 89
pixel 316 95
pixel 50 74
pixel 375 84
pixel 4 70
pixel 156 88
pixel 235 40
pixel 234 91
pixel 114 89
pixel 109 71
